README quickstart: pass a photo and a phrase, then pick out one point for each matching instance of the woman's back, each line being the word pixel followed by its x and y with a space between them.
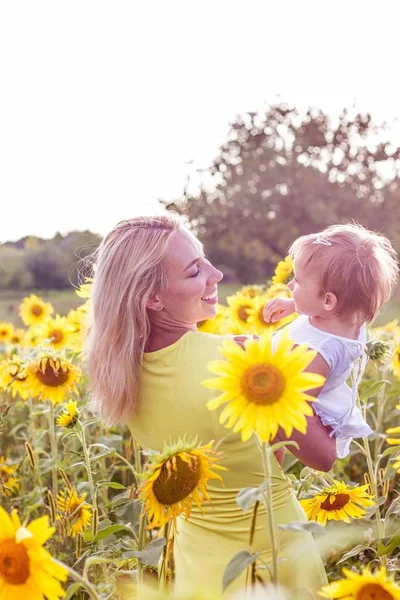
pixel 172 403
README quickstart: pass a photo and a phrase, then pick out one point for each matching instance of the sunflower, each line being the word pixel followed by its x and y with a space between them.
pixel 17 337
pixel 338 503
pixel 13 376
pixel 256 320
pixel 70 415
pixel 32 337
pixel 52 378
pixel 394 442
pixel 9 483
pixel 395 362
pixel 33 310
pixel 252 290
pixel 264 390
pixel 364 586
pixel 277 290
pixel 58 332
pixel 26 567
pixel 237 311
pixel 75 511
pixel 283 270
pixel 85 289
pixel 217 324
pixel 177 478
pixel 6 330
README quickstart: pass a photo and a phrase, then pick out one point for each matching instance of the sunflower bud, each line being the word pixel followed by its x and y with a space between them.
pixel 377 351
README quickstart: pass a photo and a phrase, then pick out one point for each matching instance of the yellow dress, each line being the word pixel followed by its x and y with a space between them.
pixel 172 403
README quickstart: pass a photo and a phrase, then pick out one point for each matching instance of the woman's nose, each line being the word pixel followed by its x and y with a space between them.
pixel 215 276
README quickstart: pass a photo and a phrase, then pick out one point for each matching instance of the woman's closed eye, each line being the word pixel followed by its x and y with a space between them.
pixel 195 274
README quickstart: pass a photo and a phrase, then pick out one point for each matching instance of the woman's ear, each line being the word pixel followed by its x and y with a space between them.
pixel 154 303
pixel 330 301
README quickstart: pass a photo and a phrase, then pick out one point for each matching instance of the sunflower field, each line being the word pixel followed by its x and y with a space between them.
pixel 87 514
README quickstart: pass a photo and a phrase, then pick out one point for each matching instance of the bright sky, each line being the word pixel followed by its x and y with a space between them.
pixel 103 104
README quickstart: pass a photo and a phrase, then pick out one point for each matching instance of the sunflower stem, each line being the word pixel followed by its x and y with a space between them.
pixel 81 580
pixel 374 490
pixel 53 449
pixel 82 438
pixel 140 542
pixel 266 460
pixel 164 564
pixel 251 540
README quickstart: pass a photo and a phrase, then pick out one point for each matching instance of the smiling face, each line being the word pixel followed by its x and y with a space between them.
pixel 191 293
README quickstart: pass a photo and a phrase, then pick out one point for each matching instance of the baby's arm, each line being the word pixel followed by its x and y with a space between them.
pixel 278 308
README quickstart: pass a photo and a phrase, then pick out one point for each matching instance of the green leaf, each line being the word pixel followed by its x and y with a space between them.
pixel 237 565
pixel 103 533
pixel 112 484
pixel 280 445
pixel 391 546
pixel 391 450
pixel 373 390
pixel 150 555
pixel 301 526
pixel 71 590
pixel 353 552
pixel 249 496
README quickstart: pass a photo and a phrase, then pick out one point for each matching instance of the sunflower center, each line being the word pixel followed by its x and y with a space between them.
pixel 52 378
pixel 242 314
pixel 36 310
pixel 3 333
pixel 14 562
pixel 373 591
pixel 263 384
pixel 176 482
pixel 339 501
pixel 56 336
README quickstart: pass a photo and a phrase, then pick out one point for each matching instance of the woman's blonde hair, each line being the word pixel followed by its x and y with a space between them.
pixel 358 265
pixel 128 270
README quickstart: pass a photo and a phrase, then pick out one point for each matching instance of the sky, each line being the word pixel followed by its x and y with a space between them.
pixel 107 106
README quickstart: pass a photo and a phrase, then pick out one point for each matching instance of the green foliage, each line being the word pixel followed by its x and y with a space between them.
pixel 45 264
pixel 281 175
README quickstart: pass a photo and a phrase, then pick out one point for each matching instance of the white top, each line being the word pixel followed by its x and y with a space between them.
pixel 336 404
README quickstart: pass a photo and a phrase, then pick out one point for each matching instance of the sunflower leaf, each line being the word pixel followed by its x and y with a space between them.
pixel 279 445
pixel 353 552
pixel 373 390
pixel 71 591
pixel 237 565
pixel 301 526
pixel 249 496
pixel 150 555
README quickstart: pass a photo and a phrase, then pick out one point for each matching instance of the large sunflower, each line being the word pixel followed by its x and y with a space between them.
pixel 56 331
pixel 264 390
pixel 33 310
pixel 364 586
pixel 6 330
pixel 177 478
pixel 9 483
pixel 52 378
pixel 238 306
pixel 75 511
pixel 283 270
pixel 256 321
pixel 338 503
pixel 26 567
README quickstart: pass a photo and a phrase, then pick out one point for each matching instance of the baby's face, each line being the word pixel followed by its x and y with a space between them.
pixel 306 290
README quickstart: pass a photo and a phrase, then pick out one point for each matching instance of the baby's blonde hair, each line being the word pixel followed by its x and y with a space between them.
pixel 129 269
pixel 357 265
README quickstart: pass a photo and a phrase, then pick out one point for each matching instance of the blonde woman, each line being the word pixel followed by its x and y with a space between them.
pixel 146 361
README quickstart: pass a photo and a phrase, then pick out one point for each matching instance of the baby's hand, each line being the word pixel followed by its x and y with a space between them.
pixel 278 308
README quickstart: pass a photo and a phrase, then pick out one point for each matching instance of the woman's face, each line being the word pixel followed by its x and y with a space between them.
pixel 191 295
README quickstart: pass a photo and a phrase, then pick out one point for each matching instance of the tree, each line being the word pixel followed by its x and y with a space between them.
pixel 281 175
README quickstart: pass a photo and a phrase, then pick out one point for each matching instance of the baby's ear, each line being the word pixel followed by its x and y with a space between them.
pixel 330 301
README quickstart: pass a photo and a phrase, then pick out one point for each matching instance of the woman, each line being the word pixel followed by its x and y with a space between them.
pixel 146 362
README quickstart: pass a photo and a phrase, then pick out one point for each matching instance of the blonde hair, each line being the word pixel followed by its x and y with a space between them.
pixel 357 265
pixel 128 270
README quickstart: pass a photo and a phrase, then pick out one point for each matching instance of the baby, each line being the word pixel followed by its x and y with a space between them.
pixel 342 277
